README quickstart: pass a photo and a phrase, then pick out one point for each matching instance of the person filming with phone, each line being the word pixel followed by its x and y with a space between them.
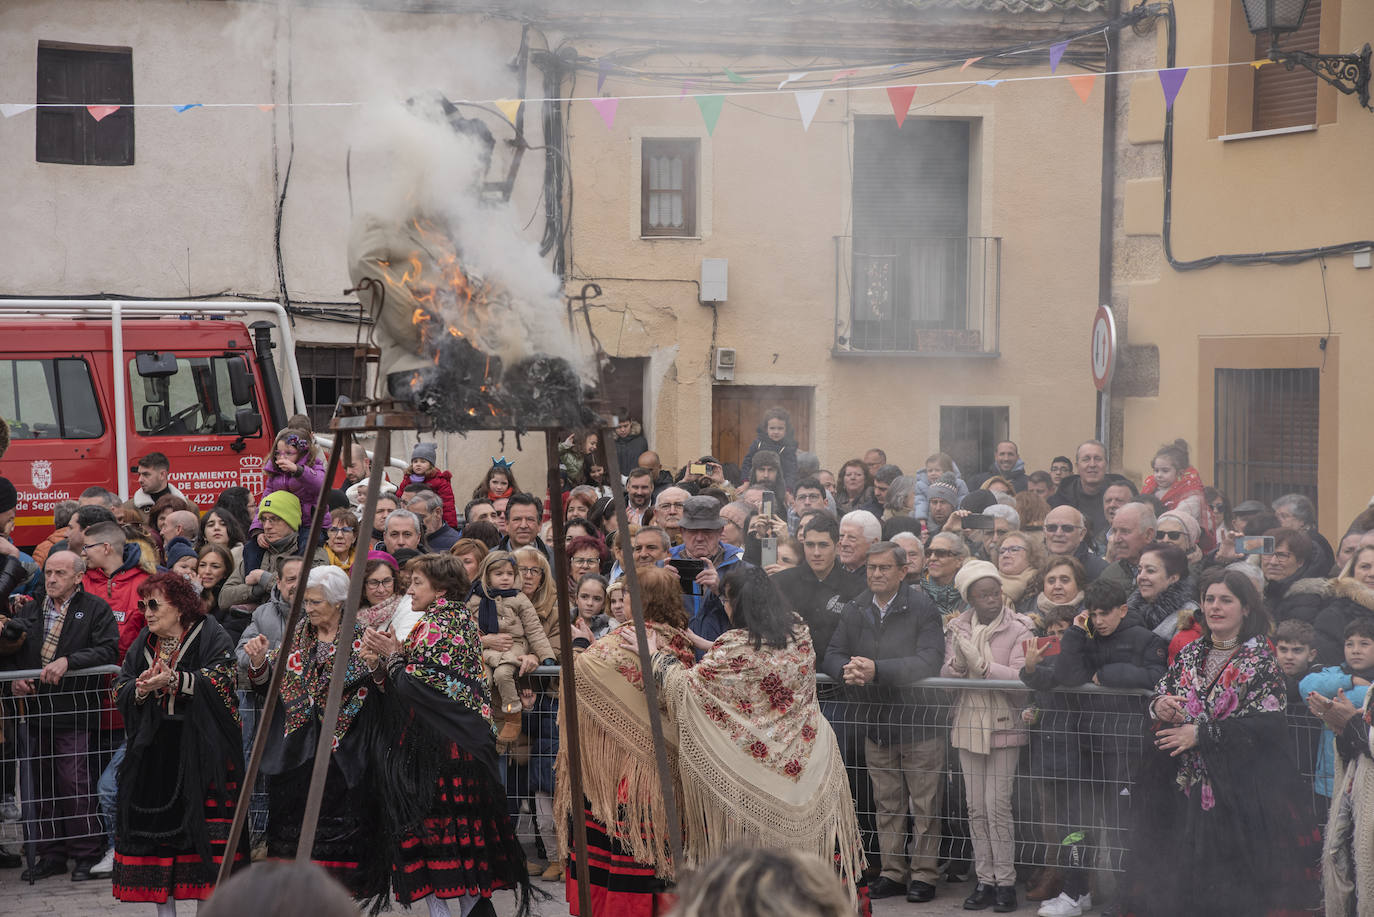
pixel 701 561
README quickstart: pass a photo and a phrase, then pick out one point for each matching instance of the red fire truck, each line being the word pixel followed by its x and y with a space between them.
pixel 89 386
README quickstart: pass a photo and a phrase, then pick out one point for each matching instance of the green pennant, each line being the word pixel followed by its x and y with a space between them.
pixel 710 111
pixel 734 77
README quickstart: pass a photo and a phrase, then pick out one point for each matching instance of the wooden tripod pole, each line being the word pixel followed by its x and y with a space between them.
pixel 572 741
pixel 342 647
pixel 665 776
pixel 250 774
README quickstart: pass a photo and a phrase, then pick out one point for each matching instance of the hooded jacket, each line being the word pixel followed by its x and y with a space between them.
pixel 786 449
pixel 120 592
pixel 441 482
pixel 1338 602
pixel 629 448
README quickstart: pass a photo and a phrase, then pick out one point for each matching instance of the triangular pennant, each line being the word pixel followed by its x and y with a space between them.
pixel 792 78
pixel 807 103
pixel 842 74
pixel 710 111
pixel 1082 84
pixel 267 107
pixel 101 112
pixel 687 86
pixel 603 70
pixel 900 97
pixel 188 107
pixel 10 109
pixel 1057 54
pixel 988 82
pixel 606 108
pixel 1171 81
pixel 734 77
pixel 969 63
pixel 509 107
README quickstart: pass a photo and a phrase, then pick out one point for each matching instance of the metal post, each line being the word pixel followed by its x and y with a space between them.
pixel 572 739
pixel 269 703
pixel 324 747
pixel 665 778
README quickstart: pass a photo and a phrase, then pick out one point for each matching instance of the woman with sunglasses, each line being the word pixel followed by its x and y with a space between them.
pixel 944 557
pixel 179 782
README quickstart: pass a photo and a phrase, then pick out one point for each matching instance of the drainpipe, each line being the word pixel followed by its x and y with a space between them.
pixel 1107 222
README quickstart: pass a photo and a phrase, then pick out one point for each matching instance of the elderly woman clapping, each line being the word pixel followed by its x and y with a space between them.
pixel 294 735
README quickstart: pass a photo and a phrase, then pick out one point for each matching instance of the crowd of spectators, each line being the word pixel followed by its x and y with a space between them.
pixel 1056 578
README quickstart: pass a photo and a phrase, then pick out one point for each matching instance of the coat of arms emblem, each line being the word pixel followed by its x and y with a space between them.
pixel 40 472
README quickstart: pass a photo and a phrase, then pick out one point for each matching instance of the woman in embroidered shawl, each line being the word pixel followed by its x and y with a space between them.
pixel 760 765
pixel 631 865
pixel 179 782
pixel 344 830
pixel 1224 827
pixel 432 767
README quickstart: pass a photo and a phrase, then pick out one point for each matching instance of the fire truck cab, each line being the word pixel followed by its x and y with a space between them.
pixel 87 387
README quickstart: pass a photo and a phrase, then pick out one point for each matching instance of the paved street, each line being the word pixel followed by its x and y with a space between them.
pixel 59 895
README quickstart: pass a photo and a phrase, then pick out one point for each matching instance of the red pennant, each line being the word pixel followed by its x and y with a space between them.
pixel 101 112
pixel 900 97
pixel 1082 84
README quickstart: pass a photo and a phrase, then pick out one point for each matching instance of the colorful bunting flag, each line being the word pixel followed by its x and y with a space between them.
pixel 687 86
pixel 807 103
pixel 603 70
pixel 1082 84
pixel 988 82
pixel 1260 63
pixel 1057 54
pixel 1171 81
pixel 606 108
pixel 509 107
pixel 181 108
pixel 710 111
pixel 792 78
pixel 10 109
pixel 900 97
pixel 101 112
pixel 842 74
pixel 969 63
pixel 734 77
pixel 268 107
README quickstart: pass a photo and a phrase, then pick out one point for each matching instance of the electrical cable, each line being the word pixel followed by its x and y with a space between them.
pixel 290 158
pixel 1289 256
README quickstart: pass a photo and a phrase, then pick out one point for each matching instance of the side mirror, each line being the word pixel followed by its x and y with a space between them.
pixel 154 417
pixel 247 422
pixel 153 365
pixel 240 381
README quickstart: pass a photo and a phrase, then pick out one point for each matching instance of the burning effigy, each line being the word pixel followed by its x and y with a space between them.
pixel 465 348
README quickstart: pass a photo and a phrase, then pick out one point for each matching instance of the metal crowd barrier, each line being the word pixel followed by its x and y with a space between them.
pixel 1074 773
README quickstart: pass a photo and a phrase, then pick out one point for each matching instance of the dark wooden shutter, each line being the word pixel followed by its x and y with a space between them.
pixel 1283 97
pixel 80 77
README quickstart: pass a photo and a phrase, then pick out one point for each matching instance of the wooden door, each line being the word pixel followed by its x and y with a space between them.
pixel 737 409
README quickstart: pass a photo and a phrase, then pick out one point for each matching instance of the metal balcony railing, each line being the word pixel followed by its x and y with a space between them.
pixel 938 296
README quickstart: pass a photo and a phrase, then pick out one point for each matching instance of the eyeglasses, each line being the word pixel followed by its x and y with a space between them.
pixel 149 604
pixel 379 583
pixel 1219 507
pixel 1282 555
pixel 531 571
pixel 881 568
pixel 340 529
pixel 585 562
pixel 673 505
pixel 939 553
pixel 97 544
pixel 1052 528
pixel 1170 536
pixel 1011 548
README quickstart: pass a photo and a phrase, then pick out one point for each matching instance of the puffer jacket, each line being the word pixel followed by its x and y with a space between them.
pixel 786 450
pixel 1339 602
pixel 629 448
pixel 999 711
pixel 441 482
pixel 120 592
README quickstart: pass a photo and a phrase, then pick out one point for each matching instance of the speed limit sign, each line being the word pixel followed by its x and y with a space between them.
pixel 1104 347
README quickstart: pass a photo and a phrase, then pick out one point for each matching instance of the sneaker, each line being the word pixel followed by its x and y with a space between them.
pixel 105 867
pixel 1066 906
pixel 9 808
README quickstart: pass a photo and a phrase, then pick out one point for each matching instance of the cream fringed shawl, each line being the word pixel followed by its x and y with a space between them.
pixel 619 773
pixel 759 764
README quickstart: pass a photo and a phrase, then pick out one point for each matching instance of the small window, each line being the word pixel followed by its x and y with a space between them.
pixel 72 77
pixel 327 373
pixel 196 401
pixel 49 399
pixel 970 435
pixel 1283 97
pixel 668 192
